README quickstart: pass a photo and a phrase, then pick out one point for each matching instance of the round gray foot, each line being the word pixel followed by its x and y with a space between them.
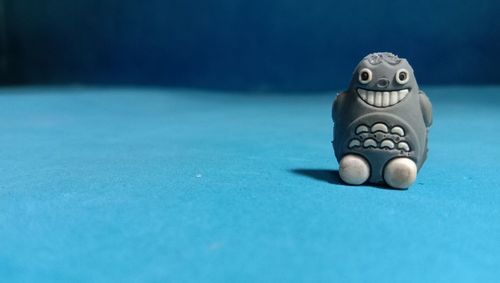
pixel 400 173
pixel 354 169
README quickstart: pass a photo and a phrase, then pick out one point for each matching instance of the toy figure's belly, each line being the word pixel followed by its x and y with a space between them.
pixel 379 138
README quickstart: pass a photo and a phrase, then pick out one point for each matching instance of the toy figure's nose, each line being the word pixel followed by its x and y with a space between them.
pixel 383 83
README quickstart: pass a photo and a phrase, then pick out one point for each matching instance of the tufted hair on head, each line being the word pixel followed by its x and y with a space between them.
pixel 379 57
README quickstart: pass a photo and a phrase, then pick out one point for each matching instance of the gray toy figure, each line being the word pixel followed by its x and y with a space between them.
pixel 381 123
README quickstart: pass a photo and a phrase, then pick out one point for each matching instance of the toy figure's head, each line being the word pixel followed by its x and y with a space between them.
pixel 383 80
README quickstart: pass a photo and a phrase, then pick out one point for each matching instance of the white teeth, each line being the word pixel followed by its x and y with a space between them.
pixel 402 94
pixel 404 91
pixel 371 98
pixel 378 98
pixel 394 98
pixel 382 99
pixel 363 94
pixel 386 98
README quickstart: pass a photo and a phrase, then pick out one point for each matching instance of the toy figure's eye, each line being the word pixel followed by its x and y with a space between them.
pixel 402 76
pixel 365 76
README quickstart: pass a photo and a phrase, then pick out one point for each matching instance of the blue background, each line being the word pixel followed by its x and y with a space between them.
pixel 284 45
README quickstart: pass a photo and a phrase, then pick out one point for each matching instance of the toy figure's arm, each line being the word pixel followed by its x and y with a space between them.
pixel 337 105
pixel 426 107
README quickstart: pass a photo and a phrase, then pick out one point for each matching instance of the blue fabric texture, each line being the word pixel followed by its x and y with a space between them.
pixel 162 185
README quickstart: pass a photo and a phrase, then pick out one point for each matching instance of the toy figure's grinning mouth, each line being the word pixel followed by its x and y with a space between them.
pixel 382 98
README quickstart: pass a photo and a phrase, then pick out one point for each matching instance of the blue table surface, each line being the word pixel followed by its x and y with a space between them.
pixel 162 185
